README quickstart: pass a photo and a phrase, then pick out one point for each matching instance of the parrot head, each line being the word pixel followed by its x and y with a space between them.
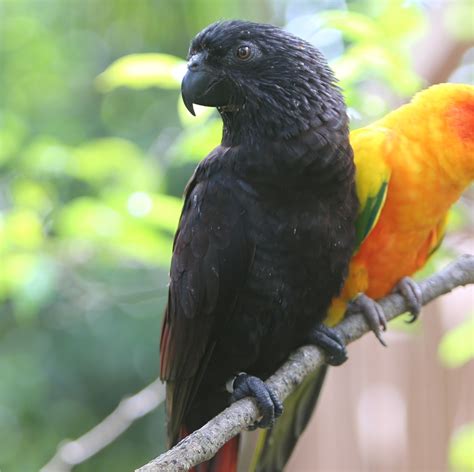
pixel 261 78
pixel 441 119
pixel 459 116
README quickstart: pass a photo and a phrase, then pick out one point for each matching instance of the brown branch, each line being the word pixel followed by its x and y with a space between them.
pixel 205 442
pixel 72 453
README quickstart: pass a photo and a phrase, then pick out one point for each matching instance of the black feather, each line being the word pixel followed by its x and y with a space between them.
pixel 267 228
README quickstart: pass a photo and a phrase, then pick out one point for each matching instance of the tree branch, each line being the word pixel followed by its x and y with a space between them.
pixel 205 442
pixel 72 453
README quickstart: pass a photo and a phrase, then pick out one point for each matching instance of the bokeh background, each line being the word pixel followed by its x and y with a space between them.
pixel 95 149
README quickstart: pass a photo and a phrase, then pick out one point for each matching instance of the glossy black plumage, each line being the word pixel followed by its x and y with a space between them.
pixel 267 228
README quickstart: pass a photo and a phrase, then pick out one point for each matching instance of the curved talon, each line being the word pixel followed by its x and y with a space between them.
pixel 268 404
pixel 411 291
pixel 373 314
pixel 330 342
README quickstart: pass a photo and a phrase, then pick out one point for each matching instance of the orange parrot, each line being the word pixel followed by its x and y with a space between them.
pixel 411 167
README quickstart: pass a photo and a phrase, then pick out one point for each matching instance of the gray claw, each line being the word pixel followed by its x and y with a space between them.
pixel 411 291
pixel 373 314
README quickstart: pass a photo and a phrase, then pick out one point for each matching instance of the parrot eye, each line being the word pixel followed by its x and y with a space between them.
pixel 244 53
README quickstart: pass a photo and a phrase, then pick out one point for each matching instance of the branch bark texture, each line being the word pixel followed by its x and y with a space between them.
pixel 202 444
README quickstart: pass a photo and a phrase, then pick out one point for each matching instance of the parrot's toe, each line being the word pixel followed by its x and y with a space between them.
pixel 373 314
pixel 330 342
pixel 413 295
pixel 269 405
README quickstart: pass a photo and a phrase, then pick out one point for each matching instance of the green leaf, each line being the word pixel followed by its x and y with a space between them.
pixel 46 156
pixel 142 71
pixel 461 449
pixel 164 213
pixel 457 346
pixel 400 19
pixel 157 209
pixel 29 279
pixel 459 20
pixel 114 161
pixel 197 141
pixel 12 133
pixel 89 218
pixel 354 26
pixel 27 193
pixel 22 229
pixel 108 230
pixel 458 217
pixel 369 61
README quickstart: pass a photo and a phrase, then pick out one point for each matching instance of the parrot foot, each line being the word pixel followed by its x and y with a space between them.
pixel 411 291
pixel 269 405
pixel 373 314
pixel 330 342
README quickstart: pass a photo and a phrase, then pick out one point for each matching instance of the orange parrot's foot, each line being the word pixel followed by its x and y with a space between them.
pixel 373 314
pixel 411 291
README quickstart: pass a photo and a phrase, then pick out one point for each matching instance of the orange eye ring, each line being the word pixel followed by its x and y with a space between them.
pixel 244 52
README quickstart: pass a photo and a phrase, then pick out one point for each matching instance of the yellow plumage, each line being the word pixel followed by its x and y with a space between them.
pixel 421 157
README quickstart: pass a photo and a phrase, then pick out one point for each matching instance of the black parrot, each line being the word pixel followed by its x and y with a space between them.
pixel 267 228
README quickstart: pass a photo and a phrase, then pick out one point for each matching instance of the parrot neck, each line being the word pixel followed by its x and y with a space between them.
pixel 254 123
pixel 291 149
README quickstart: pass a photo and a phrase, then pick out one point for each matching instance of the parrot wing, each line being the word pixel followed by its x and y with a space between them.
pixel 211 258
pixel 371 145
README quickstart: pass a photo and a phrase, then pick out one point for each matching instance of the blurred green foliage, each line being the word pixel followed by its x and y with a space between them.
pixel 461 455
pixel 457 346
pixel 95 149
pixel 86 216
pixel 455 350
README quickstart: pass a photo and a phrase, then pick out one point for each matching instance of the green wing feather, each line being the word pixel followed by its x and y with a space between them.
pixel 369 213
pixel 371 146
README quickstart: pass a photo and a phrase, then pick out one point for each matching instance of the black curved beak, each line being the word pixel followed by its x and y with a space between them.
pixel 202 86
